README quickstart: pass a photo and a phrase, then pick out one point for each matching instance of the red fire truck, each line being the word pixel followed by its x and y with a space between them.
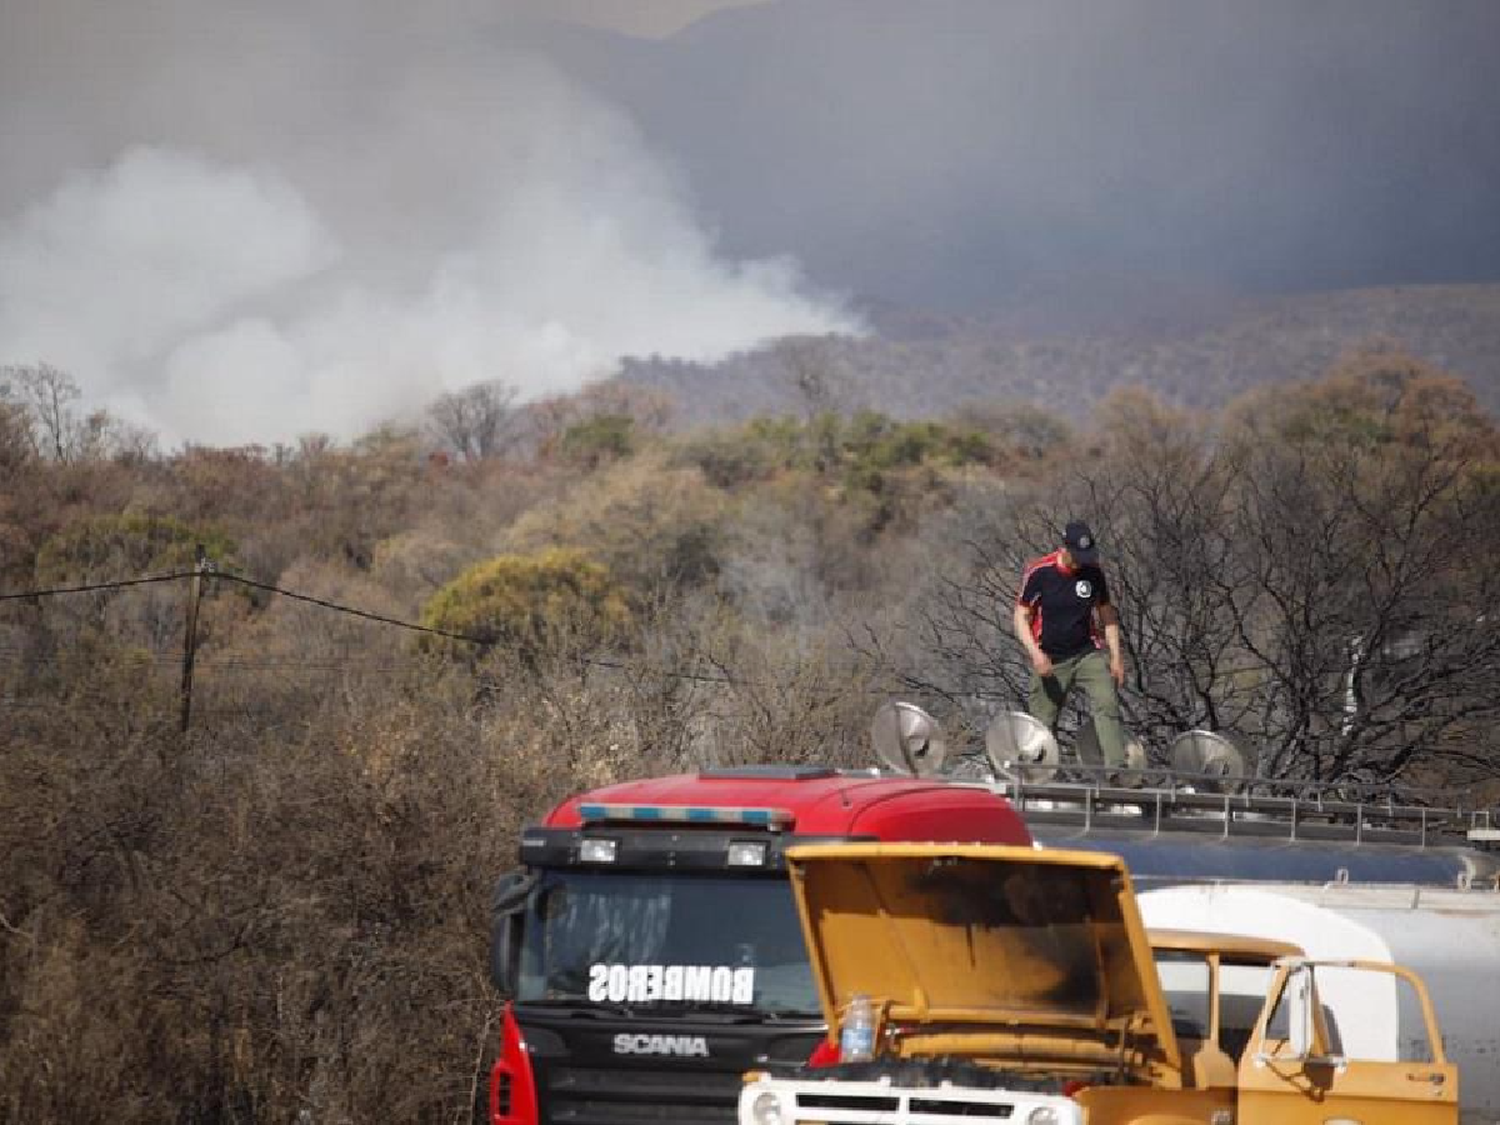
pixel 649 944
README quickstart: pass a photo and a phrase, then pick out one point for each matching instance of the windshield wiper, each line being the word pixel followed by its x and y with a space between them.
pixel 732 1013
pixel 720 1013
pixel 723 1012
pixel 711 1007
pixel 589 1009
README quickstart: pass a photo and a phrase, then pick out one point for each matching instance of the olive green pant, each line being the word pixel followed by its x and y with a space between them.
pixel 1090 671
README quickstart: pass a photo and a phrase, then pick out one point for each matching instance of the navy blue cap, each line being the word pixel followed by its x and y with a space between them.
pixel 1078 538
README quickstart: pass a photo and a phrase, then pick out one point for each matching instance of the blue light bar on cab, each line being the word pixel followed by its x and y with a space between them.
pixel 688 814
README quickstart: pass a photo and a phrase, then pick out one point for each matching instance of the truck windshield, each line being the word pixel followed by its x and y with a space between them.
pixel 667 942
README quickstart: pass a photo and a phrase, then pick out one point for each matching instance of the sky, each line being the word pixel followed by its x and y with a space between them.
pixel 648 19
pixel 234 221
pixel 962 153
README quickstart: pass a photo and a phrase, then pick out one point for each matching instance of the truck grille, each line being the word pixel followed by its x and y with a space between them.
pixel 609 1096
pixel 930 1107
pixel 882 1102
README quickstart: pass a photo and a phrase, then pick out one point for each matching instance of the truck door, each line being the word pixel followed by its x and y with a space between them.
pixel 1295 1070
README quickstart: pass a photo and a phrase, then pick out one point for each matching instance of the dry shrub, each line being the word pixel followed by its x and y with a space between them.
pixel 274 917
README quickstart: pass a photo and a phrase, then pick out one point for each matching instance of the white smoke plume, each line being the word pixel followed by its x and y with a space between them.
pixel 478 221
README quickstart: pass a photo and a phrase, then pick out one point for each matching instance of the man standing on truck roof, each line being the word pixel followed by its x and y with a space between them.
pixel 1063 604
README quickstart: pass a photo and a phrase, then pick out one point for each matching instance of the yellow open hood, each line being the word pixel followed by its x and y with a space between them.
pixel 1034 958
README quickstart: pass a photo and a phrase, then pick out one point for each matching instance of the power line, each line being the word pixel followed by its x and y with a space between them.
pixel 225 576
pixel 119 584
pixel 415 628
pixel 337 607
pixel 351 610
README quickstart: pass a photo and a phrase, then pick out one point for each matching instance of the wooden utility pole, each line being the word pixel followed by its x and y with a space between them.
pixel 190 635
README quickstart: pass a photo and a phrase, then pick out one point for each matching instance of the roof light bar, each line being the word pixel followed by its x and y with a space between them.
pixel 689 814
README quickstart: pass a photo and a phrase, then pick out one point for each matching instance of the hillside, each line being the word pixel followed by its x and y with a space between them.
pixel 1063 350
pixel 251 817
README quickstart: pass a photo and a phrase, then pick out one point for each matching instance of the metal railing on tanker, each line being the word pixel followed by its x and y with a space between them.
pixel 1205 789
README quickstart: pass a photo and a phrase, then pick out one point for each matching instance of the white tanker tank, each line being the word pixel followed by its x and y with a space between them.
pixel 1451 938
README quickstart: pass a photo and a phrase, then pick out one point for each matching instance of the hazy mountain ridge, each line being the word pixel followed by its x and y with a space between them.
pixel 929 364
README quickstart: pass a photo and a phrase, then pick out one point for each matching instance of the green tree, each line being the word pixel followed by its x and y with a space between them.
pixel 527 601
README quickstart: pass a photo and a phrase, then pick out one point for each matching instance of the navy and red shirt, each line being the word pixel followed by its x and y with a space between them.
pixel 1062 602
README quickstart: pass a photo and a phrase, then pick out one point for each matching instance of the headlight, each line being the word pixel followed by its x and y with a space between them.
pixel 597 850
pixel 766 1109
pixel 746 853
pixel 1042 1115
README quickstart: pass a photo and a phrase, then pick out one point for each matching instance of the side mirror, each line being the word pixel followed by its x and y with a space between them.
pixel 1300 1027
pixel 507 913
pixel 505 941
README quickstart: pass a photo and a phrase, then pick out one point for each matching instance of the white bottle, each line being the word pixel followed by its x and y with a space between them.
pixel 857 1034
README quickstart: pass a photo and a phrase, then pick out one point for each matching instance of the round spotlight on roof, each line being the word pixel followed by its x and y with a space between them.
pixel 908 739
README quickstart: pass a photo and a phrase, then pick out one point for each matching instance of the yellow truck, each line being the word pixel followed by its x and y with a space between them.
pixel 1016 985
